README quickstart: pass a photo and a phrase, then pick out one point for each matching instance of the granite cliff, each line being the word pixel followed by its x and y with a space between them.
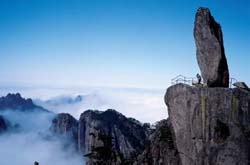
pixel 210 125
pixel 104 137
pixel 65 127
pixel 110 138
pixel 160 148
pixel 210 122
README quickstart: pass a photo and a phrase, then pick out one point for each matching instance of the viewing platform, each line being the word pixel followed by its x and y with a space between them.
pixel 194 81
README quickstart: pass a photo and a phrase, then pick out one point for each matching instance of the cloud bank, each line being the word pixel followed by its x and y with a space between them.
pixel 29 139
pixel 146 105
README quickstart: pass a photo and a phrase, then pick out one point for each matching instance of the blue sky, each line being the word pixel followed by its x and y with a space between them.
pixel 115 43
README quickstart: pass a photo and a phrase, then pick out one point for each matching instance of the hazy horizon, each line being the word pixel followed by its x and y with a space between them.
pixel 131 102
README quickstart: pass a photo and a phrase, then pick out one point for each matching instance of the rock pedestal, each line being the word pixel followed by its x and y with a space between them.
pixel 210 125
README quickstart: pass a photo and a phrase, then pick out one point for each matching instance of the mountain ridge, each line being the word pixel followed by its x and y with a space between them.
pixel 16 102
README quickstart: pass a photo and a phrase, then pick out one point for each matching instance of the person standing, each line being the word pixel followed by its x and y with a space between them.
pixel 198 78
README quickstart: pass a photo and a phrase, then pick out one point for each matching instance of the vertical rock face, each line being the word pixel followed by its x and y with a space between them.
pixel 3 124
pixel 160 150
pixel 103 137
pixel 109 137
pixel 210 125
pixel 66 125
pixel 210 50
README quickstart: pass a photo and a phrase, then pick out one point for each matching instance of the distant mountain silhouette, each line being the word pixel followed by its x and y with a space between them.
pixel 60 100
pixel 17 102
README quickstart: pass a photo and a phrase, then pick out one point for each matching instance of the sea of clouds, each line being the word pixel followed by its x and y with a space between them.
pixel 145 108
pixel 29 139
pixel 146 105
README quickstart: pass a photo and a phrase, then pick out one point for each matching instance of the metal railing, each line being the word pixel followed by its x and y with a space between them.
pixel 185 80
pixel 193 80
pixel 232 81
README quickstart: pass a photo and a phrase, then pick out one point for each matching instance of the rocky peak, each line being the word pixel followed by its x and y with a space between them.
pixel 110 137
pixel 65 126
pixel 63 100
pixel 64 123
pixel 17 102
pixel 210 49
pixel 104 137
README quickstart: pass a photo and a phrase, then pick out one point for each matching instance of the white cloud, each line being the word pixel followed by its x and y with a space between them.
pixel 32 141
pixel 146 105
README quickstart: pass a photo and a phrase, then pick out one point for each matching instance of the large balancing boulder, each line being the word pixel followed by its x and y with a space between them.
pixel 210 50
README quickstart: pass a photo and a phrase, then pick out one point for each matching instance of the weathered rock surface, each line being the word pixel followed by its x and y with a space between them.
pixel 110 138
pixel 65 124
pixel 3 124
pixel 210 125
pixel 160 150
pixel 241 85
pixel 65 127
pixel 103 137
pixel 210 50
